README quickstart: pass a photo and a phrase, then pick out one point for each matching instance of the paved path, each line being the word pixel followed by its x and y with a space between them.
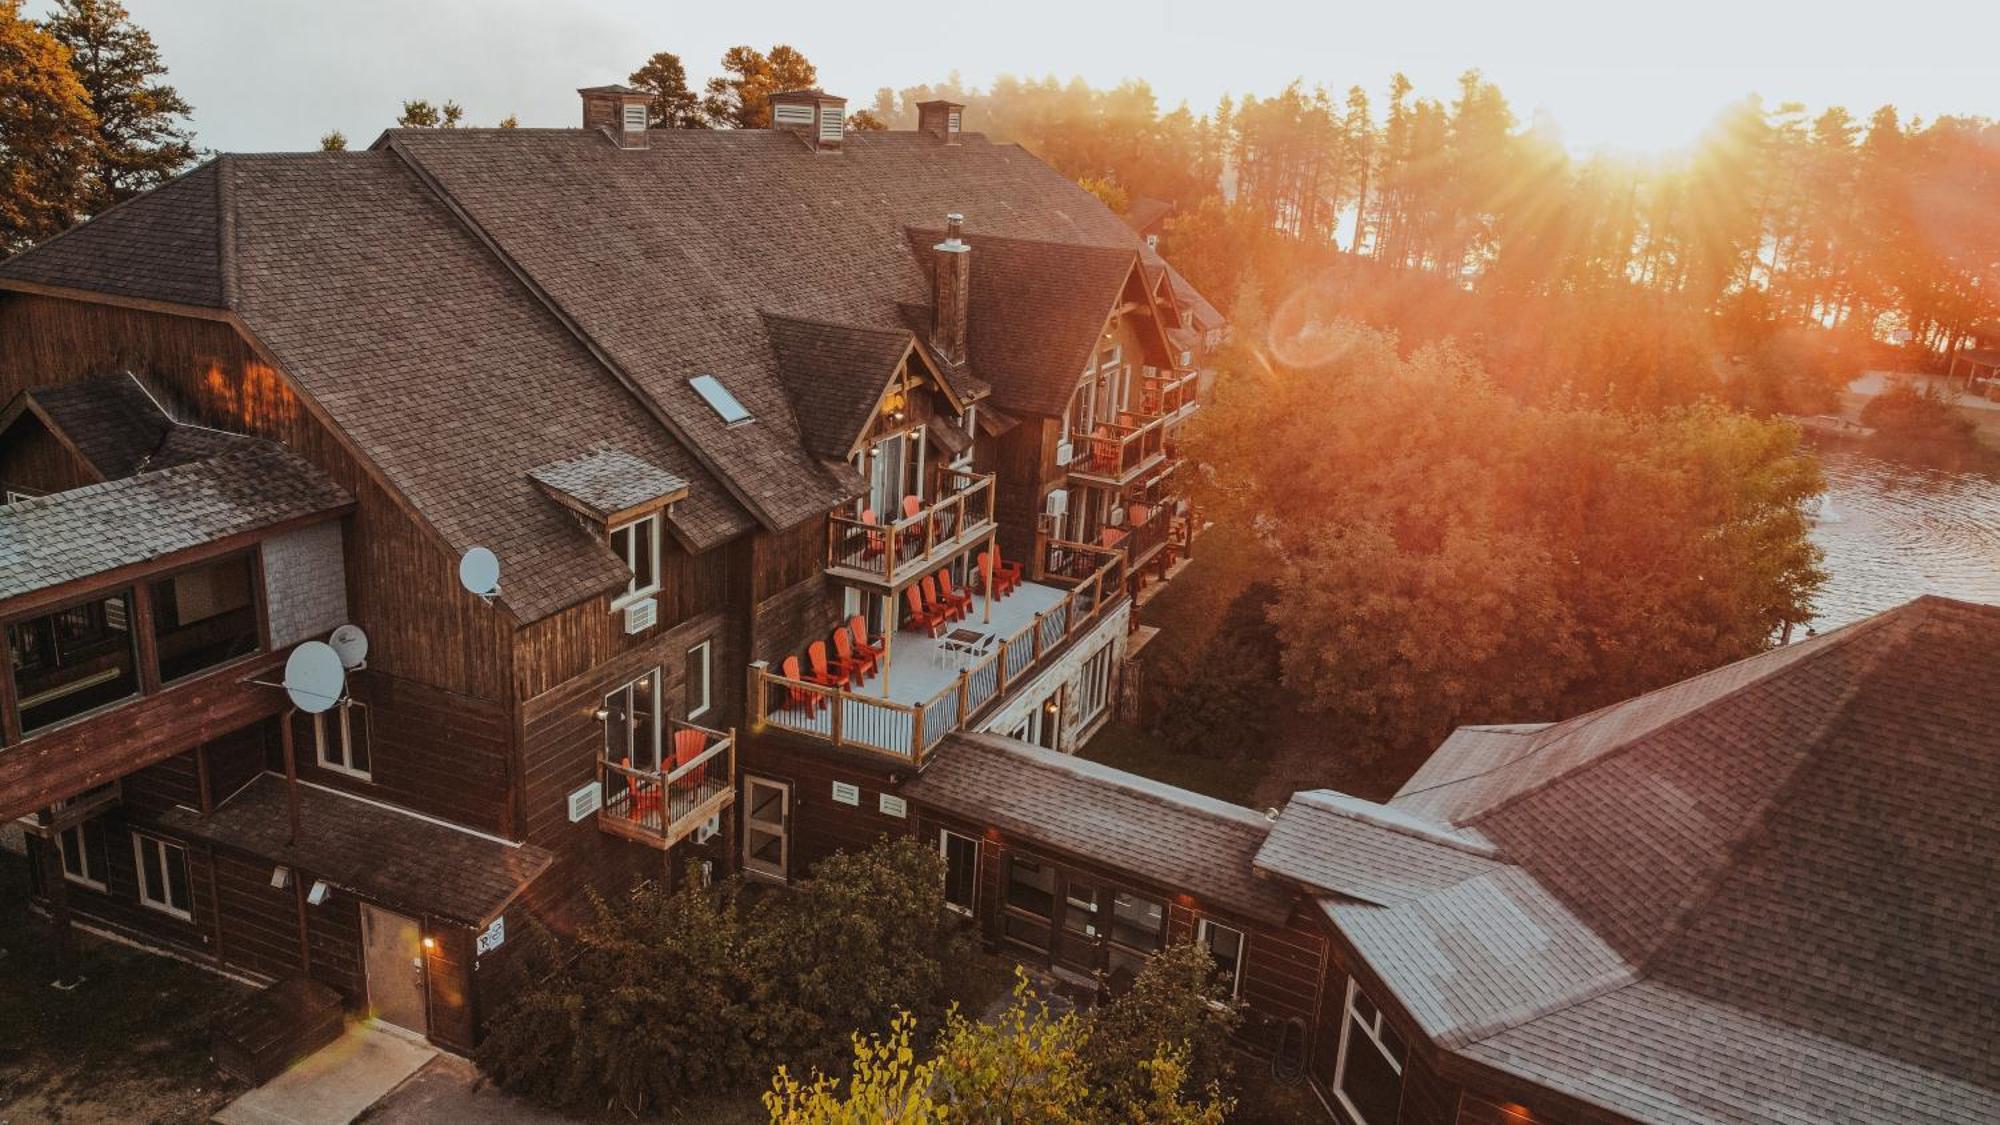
pixel 449 1091
pixel 333 1086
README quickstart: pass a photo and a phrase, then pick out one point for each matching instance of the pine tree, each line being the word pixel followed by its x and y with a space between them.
pixel 141 143
pixel 674 105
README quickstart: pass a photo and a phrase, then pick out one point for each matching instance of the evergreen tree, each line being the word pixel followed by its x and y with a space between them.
pixel 140 141
pixel 675 106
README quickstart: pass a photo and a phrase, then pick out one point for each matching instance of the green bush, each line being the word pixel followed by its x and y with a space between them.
pixel 1174 1005
pixel 1216 700
pixel 1919 424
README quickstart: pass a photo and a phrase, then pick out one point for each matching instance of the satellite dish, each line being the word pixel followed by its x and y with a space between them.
pixel 314 677
pixel 351 645
pixel 479 572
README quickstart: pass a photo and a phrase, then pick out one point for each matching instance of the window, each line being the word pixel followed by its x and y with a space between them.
pixel 1096 685
pixel 205 617
pixel 1368 1079
pixel 81 847
pixel 638 543
pixel 341 738
pixel 961 870
pixel 694 689
pixel 163 876
pixel 1031 900
pixel 632 723
pixel 1226 946
pixel 1138 930
pixel 73 660
pixel 719 399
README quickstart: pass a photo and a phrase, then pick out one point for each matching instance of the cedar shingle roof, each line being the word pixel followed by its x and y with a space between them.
pixel 393 857
pixel 1766 893
pixel 164 245
pixel 836 373
pixel 1336 844
pixel 609 481
pixel 1180 840
pixel 49 540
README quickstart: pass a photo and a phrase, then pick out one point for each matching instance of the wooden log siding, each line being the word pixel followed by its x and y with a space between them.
pixel 402 583
pixel 819 825
pixel 117 906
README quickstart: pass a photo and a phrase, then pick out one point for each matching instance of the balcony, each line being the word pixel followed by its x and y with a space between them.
pixel 932 686
pixel 892 554
pixel 663 806
pixel 1118 453
pixel 1170 397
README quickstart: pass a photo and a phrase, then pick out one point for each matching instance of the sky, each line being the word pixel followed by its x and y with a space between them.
pixel 276 74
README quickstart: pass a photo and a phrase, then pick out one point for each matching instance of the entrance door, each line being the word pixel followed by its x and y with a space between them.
pixel 392 949
pixel 1082 933
pixel 767 816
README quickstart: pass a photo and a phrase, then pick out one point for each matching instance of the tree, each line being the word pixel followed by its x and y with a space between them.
pixel 865 121
pixel 509 122
pixel 1177 1002
pixel 333 141
pixel 675 106
pixel 741 97
pixel 140 141
pixel 421 114
pixel 48 134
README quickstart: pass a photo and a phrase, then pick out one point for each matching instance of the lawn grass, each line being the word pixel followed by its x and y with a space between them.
pixel 130 1043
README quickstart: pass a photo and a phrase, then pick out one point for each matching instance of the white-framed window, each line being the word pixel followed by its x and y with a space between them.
pixel 341 737
pixel 1096 685
pixel 638 544
pixel 81 848
pixel 961 871
pixel 163 876
pixel 1227 946
pixel 1368 1077
pixel 695 689
pixel 632 723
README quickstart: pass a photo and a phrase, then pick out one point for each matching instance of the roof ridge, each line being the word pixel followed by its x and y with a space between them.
pixel 1832 642
pixel 225 231
pixel 1020 240
pixel 1137 785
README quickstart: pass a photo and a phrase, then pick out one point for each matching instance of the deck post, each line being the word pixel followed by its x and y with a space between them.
pixel 56 890
pixel 964 693
pixel 839 702
pixel 759 669
pixel 917 733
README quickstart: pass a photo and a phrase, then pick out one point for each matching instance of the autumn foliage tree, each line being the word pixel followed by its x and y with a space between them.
pixel 740 97
pixel 48 134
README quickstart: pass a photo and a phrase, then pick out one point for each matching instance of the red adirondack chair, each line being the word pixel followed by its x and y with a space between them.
pixel 1001 576
pixel 640 799
pixel 818 672
pixel 812 701
pixel 1104 451
pixel 869 655
pixel 913 535
pixel 872 549
pixel 923 617
pixel 960 600
pixel 950 611
pixel 689 745
pixel 845 662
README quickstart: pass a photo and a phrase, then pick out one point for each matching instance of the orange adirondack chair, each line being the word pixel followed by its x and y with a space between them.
pixel 845 662
pixel 1104 451
pixel 950 611
pixel 872 549
pixel 639 799
pixel 1001 576
pixel 869 655
pixel 913 536
pixel 689 745
pixel 819 672
pixel 923 617
pixel 799 697
pixel 960 600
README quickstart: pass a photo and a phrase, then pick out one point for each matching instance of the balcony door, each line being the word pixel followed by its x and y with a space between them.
pixel 767 827
pixel 895 469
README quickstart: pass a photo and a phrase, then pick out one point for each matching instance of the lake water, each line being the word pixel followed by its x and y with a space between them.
pixel 1892 532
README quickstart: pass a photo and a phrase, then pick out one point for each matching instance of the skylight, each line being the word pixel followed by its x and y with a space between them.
pixel 719 399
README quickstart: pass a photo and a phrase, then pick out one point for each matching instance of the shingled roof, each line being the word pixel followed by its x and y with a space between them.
pixel 49 540
pixel 115 425
pixel 836 374
pixel 1180 840
pixel 1763 894
pixel 607 482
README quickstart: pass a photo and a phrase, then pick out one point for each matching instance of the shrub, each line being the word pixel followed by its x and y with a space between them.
pixel 1220 695
pixel 1173 1004
pixel 1921 424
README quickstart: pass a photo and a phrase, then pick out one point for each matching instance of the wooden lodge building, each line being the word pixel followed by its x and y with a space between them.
pixel 739 413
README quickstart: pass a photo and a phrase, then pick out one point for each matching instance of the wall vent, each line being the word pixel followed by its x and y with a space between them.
pixel 585 801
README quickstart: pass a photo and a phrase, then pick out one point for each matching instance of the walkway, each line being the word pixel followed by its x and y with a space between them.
pixel 337 1083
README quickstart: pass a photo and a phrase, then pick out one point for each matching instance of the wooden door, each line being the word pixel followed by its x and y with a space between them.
pixel 392 947
pixel 767 841
pixel 1080 938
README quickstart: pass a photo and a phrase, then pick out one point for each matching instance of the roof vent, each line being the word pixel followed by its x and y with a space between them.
pixel 941 119
pixel 814 116
pixel 620 112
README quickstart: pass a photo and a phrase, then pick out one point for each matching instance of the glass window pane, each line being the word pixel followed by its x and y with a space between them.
pixel 151 888
pixel 1369 1082
pixel 70 844
pixel 645 724
pixel 1137 922
pixel 358 735
pixel 1364 1009
pixel 695 684
pixel 73 660
pixel 645 544
pixel 205 617
pixel 1031 886
pixel 961 868
pixel 1080 908
pixel 177 876
pixel 1034 935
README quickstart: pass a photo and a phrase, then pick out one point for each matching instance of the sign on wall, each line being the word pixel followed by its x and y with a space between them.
pixel 492 938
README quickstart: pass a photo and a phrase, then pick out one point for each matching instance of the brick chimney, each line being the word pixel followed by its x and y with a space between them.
pixel 620 112
pixel 951 274
pixel 941 119
pixel 814 116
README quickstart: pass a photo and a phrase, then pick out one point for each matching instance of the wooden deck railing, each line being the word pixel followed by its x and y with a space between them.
pixel 893 549
pixel 662 806
pixel 1093 580
pixel 1169 396
pixel 1118 451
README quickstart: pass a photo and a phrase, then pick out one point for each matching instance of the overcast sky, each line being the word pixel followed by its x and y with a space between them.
pixel 275 74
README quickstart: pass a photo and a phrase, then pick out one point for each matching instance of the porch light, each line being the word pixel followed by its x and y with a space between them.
pixel 281 877
pixel 319 892
pixel 602 714
pixel 430 943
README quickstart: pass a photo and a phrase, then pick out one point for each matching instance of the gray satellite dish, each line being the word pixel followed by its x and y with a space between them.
pixel 351 644
pixel 479 572
pixel 314 677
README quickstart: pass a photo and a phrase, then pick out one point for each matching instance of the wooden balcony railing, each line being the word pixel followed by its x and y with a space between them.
pixel 1118 452
pixel 892 551
pixel 1171 397
pixel 663 806
pixel 1092 580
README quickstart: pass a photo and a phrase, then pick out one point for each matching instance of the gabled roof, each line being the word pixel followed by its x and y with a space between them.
pixel 1146 214
pixel 165 245
pixel 116 426
pixel 49 540
pixel 1180 840
pixel 1780 864
pixel 609 482
pixel 835 374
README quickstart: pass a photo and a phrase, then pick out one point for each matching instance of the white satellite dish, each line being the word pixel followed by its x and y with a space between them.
pixel 351 645
pixel 314 677
pixel 479 571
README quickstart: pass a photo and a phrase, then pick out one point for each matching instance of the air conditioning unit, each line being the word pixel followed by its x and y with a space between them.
pixel 642 615
pixel 1065 452
pixel 585 801
pixel 709 830
pixel 1117 518
pixel 1058 503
